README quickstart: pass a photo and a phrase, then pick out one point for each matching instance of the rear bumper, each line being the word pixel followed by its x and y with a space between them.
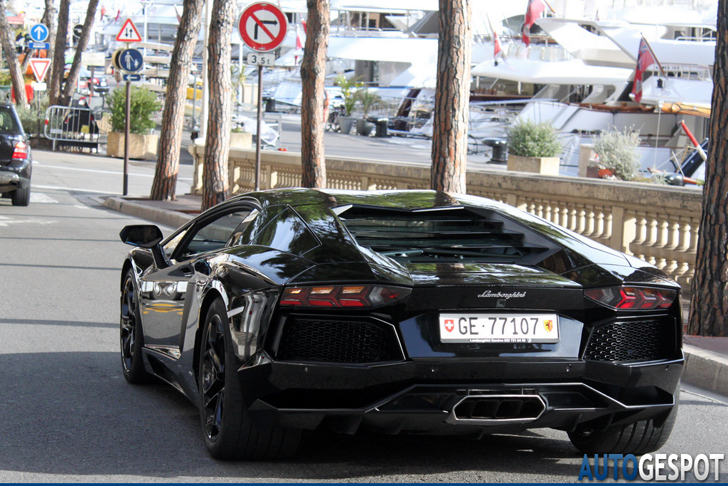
pixel 15 175
pixel 459 396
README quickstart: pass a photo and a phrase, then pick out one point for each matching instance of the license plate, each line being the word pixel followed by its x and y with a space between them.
pixel 499 328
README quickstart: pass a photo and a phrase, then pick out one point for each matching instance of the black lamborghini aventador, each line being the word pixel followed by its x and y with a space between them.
pixel 404 312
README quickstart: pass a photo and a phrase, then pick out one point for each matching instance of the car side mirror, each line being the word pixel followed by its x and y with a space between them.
pixel 143 235
pixel 146 236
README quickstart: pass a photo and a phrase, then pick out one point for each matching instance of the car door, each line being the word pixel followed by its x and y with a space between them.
pixel 168 295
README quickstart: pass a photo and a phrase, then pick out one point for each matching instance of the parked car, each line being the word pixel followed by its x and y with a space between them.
pixel 85 79
pixel 403 312
pixel 15 157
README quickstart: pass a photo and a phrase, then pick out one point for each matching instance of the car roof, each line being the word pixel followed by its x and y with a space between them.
pixel 424 200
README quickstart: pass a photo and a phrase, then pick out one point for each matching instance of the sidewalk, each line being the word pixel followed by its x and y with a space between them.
pixel 706 358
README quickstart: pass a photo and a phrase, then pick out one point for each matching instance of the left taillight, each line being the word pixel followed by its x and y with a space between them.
pixel 20 151
pixel 350 296
pixel 632 298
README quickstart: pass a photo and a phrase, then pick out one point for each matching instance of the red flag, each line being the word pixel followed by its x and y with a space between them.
pixel 645 59
pixel 305 28
pixel 533 11
pixel 496 45
pixel 118 12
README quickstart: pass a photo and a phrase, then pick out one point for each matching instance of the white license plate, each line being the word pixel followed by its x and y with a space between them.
pixel 499 328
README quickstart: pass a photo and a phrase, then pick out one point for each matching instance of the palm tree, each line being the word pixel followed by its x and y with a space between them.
pixel 313 72
pixel 170 141
pixel 217 141
pixel 452 97
pixel 16 75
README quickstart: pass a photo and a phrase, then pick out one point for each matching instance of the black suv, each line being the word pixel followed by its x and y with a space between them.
pixel 15 157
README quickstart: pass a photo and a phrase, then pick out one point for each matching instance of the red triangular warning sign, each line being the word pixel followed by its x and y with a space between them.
pixel 128 32
pixel 40 68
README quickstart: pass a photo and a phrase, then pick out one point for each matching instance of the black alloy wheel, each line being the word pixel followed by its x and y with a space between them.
pixel 212 377
pixel 131 337
pixel 227 429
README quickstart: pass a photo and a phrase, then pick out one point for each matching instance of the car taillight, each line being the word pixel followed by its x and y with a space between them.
pixel 352 296
pixel 632 298
pixel 21 151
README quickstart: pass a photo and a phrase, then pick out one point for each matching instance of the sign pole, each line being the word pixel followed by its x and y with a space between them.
pixel 257 138
pixel 126 138
pixel 262 27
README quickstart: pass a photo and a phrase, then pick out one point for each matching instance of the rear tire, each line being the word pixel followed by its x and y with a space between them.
pixel 227 429
pixel 21 197
pixel 637 438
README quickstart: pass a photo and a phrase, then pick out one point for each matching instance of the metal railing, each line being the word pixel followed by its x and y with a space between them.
pixel 73 127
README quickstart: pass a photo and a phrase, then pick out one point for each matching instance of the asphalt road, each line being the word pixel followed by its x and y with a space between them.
pixel 67 414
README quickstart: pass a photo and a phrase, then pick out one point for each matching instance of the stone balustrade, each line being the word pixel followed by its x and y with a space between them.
pixel 658 224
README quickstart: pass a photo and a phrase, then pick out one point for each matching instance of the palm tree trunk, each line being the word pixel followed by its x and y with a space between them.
pixel 452 98
pixel 709 304
pixel 217 141
pixel 59 51
pixel 173 117
pixel 313 72
pixel 16 75
pixel 82 43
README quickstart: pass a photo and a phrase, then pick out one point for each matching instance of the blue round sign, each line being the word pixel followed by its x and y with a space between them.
pixel 131 60
pixel 39 33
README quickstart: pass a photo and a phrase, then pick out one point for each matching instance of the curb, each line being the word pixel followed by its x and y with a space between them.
pixel 165 217
pixel 705 369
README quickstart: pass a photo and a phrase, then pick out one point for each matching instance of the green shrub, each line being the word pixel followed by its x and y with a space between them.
pixel 530 139
pixel 349 87
pixel 143 104
pixel 369 100
pixel 33 117
pixel 618 152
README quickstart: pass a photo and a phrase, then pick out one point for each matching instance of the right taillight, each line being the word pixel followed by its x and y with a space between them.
pixel 632 298
pixel 20 151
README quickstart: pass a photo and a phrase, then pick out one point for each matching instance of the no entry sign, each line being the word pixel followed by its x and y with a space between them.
pixel 263 26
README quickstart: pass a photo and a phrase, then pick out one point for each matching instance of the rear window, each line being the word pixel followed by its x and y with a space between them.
pixel 8 122
pixel 447 235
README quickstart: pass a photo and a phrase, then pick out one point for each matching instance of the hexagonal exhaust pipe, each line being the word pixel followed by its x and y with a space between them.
pixel 497 409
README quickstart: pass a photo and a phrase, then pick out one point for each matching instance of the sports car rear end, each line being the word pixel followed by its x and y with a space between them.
pixel 436 314
pixel 404 312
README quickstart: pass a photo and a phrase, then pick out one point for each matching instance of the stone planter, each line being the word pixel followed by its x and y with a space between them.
pixel 241 140
pixel 346 123
pixel 140 146
pixel 363 127
pixel 538 165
